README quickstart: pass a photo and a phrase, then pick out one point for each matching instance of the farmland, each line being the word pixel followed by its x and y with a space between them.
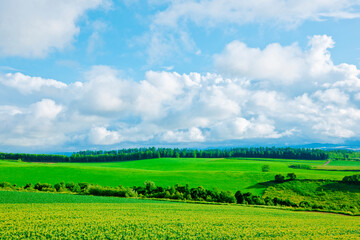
pixel 164 221
pixel 35 215
pixel 225 174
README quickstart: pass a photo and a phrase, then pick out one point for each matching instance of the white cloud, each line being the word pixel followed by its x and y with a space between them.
pixel 285 64
pixel 332 95
pixel 46 109
pixel 241 128
pixel 168 36
pixel 189 135
pixel 168 107
pixel 35 125
pixel 102 136
pixel 289 12
pixel 35 28
pixel 280 65
pixel 27 84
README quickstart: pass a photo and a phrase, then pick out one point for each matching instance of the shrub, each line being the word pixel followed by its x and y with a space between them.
pixel 269 201
pixel 239 197
pixel 279 178
pixel 300 166
pixel 304 204
pixel 28 186
pixel 227 197
pixel 46 187
pixel 291 176
pixel 354 179
pixel 60 187
pixel 5 185
pixel 265 168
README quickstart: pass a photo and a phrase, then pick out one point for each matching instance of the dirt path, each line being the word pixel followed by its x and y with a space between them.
pixel 327 163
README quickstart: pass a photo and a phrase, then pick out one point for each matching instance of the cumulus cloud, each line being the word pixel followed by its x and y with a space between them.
pixel 102 136
pixel 285 64
pixel 168 107
pixel 189 135
pixel 281 64
pixel 27 84
pixel 46 109
pixel 35 28
pixel 34 125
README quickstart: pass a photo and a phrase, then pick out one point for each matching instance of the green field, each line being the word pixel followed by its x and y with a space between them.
pixel 330 195
pixel 224 174
pixel 345 163
pixel 168 221
pixel 39 197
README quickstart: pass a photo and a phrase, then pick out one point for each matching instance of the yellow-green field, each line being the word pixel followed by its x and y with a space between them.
pixel 168 221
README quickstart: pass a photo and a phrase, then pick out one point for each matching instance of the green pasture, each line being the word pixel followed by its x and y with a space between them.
pixel 39 197
pixel 225 174
pixel 345 163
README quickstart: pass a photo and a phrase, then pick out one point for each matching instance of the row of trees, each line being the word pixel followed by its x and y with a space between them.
pixel 149 153
pixel 185 193
pixel 150 190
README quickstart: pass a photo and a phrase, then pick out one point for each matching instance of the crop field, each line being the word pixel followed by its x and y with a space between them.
pixel 224 174
pixel 168 221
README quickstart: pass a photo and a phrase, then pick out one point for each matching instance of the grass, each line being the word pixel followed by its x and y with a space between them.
pixel 344 163
pixel 332 195
pixel 225 174
pixel 168 221
pixel 36 197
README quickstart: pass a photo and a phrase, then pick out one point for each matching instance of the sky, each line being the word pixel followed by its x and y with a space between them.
pixel 110 74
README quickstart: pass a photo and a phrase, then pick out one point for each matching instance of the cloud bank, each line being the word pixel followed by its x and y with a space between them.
pixel 279 92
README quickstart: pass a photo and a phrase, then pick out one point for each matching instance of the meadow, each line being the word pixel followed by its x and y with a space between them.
pixel 224 174
pixel 168 221
pixel 39 197
pixel 331 196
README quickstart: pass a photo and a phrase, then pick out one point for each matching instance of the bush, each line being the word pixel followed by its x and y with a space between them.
pixel 239 197
pixel 248 198
pixel 269 201
pixel 279 178
pixel 28 186
pixel 5 185
pixel 354 179
pixel 265 168
pixel 291 176
pixel 300 166
pixel 60 187
pixel 304 204
pixel 227 197
pixel 45 187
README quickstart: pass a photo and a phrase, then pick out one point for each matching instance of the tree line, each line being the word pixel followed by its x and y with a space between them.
pixel 150 153
pixel 150 190
pixel 182 193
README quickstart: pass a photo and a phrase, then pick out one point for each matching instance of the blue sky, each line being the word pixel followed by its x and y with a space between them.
pixel 101 74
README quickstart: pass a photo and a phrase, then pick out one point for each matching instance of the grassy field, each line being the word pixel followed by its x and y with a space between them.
pixel 168 221
pixel 345 163
pixel 333 196
pixel 38 197
pixel 224 174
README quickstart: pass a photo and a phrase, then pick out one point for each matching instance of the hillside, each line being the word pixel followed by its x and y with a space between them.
pixel 225 174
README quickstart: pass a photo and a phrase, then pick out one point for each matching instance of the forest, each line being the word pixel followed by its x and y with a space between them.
pixel 149 153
